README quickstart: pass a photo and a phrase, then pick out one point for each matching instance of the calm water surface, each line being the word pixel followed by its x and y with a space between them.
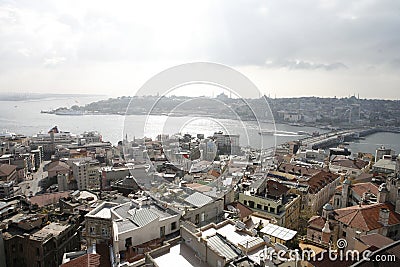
pixel 24 117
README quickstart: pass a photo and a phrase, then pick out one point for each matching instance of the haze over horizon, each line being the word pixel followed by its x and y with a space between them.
pixel 287 48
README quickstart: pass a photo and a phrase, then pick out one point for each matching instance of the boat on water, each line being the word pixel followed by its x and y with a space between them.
pixel 302 133
pixel 47 111
pixel 69 112
pixel 266 132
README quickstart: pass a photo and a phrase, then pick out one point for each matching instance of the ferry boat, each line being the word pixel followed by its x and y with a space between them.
pixel 302 133
pixel 69 112
pixel 266 132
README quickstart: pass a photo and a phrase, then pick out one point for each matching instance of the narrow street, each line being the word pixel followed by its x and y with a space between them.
pixel 30 186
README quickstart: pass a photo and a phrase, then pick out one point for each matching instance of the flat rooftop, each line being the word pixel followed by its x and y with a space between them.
pixel 53 229
pixel 228 231
pixel 180 255
pixel 103 211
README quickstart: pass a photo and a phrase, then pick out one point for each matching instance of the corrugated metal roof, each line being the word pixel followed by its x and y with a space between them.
pixel 125 225
pixel 198 199
pixel 143 217
pixel 219 246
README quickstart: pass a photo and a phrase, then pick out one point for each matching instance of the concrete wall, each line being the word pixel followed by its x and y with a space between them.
pixel 266 207
pixel 98 235
pixel 195 243
pixel 167 223
pixel 139 236
pixel 210 212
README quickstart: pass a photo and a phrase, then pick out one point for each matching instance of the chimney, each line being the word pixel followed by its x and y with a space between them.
pixel 92 249
pixel 384 216
pixel 382 193
pixel 326 233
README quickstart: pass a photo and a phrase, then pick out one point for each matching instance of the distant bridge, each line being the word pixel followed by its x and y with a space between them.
pixel 336 137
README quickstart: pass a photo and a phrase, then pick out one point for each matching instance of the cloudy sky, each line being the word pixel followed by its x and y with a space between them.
pixel 288 48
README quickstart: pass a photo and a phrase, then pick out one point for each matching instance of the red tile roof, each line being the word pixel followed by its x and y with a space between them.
pixel 244 211
pixel 316 222
pixel 376 240
pixel 214 173
pixel 276 189
pixel 319 180
pixel 366 217
pixel 349 163
pixel 87 260
pixel 297 170
pixel 199 187
pixel 47 199
pixel 364 177
pixel 360 188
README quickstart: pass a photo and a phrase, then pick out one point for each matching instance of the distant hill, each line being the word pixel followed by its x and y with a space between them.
pixel 36 96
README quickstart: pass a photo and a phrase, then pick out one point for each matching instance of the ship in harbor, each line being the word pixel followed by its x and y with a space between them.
pixel 69 112
pixel 267 132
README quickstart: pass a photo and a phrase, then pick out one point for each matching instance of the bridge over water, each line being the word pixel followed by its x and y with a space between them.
pixel 335 138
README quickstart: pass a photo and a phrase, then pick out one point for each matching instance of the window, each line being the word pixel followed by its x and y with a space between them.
pixel 162 231
pixel 266 208
pixel 104 232
pixel 251 204
pixel 92 230
pixel 37 252
pixel 197 219
pixel 271 209
pixel 173 226
pixel 344 234
pixel 259 206
pixel 202 218
pixel 128 242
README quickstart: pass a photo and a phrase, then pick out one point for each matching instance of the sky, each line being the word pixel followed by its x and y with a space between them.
pixel 288 48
